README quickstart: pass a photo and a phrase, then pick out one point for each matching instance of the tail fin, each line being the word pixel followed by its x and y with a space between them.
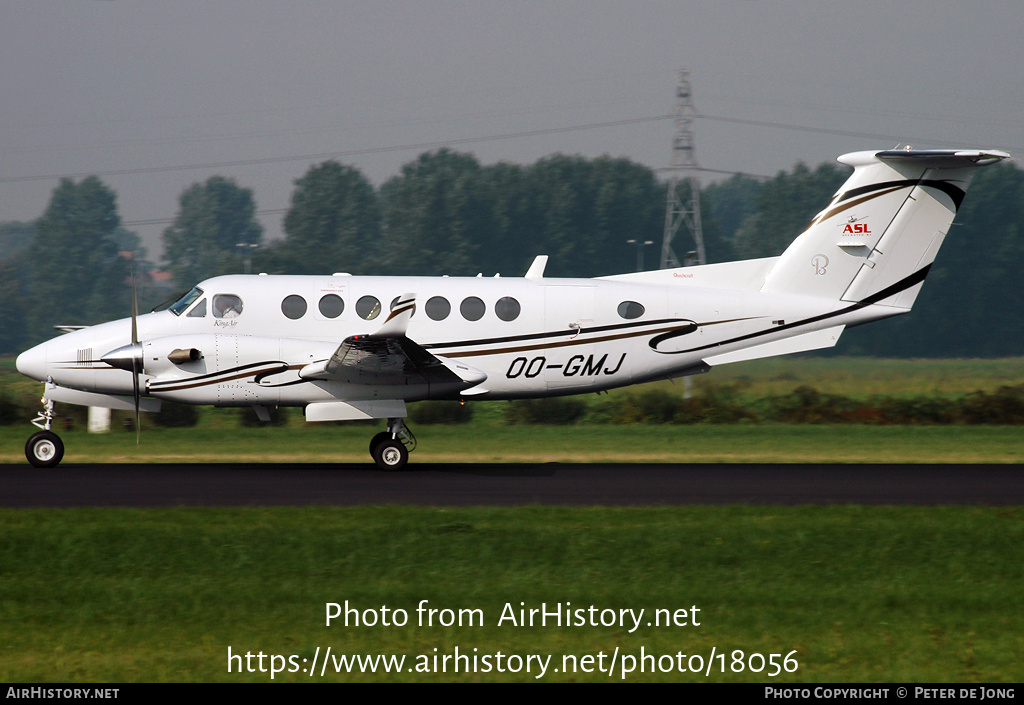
pixel 877 238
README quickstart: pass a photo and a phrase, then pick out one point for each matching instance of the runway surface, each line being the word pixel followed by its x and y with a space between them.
pixel 507 484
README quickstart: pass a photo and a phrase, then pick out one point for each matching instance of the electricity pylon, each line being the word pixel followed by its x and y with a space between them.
pixel 682 169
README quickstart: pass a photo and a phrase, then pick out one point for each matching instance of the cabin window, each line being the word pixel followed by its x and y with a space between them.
pixel 630 310
pixel 294 307
pixel 438 308
pixel 394 302
pixel 368 308
pixel 179 306
pixel 227 306
pixel 331 306
pixel 472 308
pixel 507 308
pixel 198 311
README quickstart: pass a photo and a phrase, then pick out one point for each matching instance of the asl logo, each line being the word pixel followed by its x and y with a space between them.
pixel 856 229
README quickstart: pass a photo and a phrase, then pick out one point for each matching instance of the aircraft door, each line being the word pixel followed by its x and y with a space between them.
pixel 568 308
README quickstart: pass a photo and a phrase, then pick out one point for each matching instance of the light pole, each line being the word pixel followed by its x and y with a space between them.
pixel 247 249
pixel 640 245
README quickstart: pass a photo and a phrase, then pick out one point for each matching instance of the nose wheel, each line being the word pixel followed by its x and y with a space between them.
pixel 44 449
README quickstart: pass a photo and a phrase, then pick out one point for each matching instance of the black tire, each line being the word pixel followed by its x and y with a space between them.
pixel 44 449
pixel 390 454
pixel 382 436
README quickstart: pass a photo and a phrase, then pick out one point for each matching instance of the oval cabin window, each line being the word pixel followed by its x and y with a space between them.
pixel 368 308
pixel 331 306
pixel 472 308
pixel 630 310
pixel 438 308
pixel 507 308
pixel 294 307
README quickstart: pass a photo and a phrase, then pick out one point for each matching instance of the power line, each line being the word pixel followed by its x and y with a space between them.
pixel 335 155
pixel 167 221
pixel 826 131
pixel 481 139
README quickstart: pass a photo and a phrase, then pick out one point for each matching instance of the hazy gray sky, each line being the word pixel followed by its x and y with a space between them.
pixel 130 89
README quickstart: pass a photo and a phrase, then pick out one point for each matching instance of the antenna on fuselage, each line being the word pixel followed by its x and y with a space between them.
pixel 682 169
pixel 536 270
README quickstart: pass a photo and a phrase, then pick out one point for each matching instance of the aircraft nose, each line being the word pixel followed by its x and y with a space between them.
pixel 32 363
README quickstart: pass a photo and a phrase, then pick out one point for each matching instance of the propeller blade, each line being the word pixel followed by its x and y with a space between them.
pixel 137 357
pixel 135 398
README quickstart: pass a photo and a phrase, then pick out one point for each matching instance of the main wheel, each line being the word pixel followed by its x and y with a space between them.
pixel 44 449
pixel 382 436
pixel 390 454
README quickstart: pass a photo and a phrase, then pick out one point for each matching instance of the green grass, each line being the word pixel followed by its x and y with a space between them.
pixel 861 594
pixel 482 443
pixel 863 377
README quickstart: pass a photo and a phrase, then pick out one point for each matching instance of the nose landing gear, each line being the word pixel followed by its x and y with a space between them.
pixel 44 448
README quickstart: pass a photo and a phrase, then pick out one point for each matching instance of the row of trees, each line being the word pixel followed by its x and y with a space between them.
pixel 67 267
pixel 445 213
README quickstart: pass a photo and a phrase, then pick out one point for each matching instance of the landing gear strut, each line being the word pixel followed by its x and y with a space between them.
pixel 44 448
pixel 390 449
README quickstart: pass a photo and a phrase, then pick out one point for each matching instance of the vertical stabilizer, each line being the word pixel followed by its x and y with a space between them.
pixel 877 238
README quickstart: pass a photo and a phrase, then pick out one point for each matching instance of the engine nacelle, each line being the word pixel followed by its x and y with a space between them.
pixel 227 370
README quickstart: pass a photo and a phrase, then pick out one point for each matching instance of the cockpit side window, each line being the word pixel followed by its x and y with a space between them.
pixel 179 306
pixel 227 306
pixel 198 311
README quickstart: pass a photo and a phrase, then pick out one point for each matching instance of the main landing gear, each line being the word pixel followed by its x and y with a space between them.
pixel 44 448
pixel 390 449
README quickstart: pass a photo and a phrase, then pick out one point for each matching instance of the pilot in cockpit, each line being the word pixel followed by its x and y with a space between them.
pixel 226 306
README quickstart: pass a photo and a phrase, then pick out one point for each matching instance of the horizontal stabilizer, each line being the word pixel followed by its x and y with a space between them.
pixel 944 158
pixel 816 340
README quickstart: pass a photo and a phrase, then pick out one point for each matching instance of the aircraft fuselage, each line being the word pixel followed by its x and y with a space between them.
pixel 563 336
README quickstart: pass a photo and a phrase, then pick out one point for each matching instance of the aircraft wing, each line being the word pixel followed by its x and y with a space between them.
pixel 390 358
pixel 364 359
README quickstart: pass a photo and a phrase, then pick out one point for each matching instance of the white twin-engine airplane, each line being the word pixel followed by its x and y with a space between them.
pixel 325 343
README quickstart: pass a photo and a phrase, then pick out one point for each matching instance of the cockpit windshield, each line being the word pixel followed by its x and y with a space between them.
pixel 179 306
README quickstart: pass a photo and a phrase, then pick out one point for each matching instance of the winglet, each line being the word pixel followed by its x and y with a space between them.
pixel 398 321
pixel 536 270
